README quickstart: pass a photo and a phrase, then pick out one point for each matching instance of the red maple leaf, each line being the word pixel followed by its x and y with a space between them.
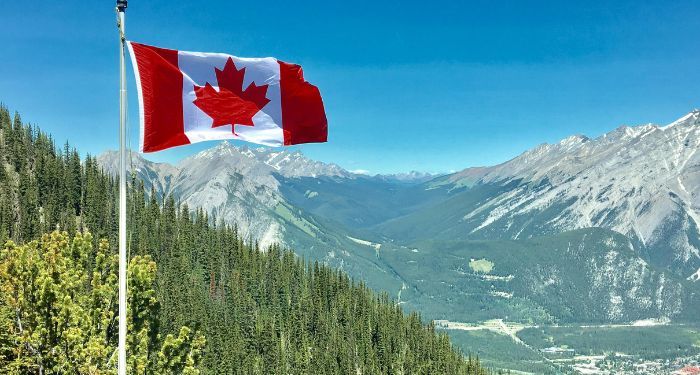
pixel 231 105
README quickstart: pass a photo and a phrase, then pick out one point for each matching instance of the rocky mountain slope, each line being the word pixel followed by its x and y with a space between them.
pixel 245 186
pixel 642 182
pixel 602 229
pixel 237 185
pixel 588 275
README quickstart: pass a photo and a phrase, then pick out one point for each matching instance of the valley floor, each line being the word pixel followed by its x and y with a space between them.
pixel 640 347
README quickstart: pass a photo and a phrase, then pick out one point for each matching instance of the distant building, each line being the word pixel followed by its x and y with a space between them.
pixel 554 349
pixel 688 370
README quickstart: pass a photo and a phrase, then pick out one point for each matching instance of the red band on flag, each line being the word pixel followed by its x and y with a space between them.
pixel 161 97
pixel 303 116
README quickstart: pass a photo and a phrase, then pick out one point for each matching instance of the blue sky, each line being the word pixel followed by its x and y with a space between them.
pixel 434 86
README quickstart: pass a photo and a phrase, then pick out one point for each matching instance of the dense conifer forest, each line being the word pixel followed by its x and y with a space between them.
pixel 203 299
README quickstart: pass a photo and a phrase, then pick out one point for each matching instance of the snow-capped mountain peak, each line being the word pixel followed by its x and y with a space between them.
pixel 288 163
pixel 636 180
pixel 573 141
pixel 688 120
pixel 412 177
pixel 238 184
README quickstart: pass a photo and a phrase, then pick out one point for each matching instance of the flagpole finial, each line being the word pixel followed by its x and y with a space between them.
pixel 121 5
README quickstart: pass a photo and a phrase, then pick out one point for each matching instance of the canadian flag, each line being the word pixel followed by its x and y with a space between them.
pixel 188 97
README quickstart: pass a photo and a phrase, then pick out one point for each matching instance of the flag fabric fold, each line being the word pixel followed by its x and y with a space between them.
pixel 188 97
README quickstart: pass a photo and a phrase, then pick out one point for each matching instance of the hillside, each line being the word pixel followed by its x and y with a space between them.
pixel 262 310
pixel 246 187
pixel 583 231
pixel 639 181
pixel 578 183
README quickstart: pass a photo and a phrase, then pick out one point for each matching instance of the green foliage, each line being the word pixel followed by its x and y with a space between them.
pixel 481 265
pixel 666 342
pixel 262 311
pixel 60 317
pixel 559 278
pixel 500 351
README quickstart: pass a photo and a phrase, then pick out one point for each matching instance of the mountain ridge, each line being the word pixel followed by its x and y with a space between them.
pixel 622 180
pixel 393 234
pixel 236 184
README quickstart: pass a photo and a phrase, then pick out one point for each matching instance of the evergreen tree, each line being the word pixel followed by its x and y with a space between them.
pixel 262 311
pixel 58 316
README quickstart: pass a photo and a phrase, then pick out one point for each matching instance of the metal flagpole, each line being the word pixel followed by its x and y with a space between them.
pixel 121 8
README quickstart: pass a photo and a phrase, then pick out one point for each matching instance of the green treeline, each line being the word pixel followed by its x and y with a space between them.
pixel 260 311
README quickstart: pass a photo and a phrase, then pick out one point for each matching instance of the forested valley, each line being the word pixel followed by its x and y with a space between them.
pixel 202 299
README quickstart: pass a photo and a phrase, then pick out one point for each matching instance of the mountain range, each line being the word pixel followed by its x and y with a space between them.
pixel 583 230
